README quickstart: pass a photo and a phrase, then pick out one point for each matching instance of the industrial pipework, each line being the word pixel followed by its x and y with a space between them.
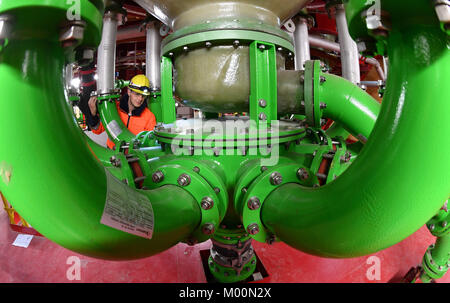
pixel 234 179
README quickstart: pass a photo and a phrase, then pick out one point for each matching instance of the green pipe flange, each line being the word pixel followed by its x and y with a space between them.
pixel 260 189
pixel 199 189
pixel 222 24
pixel 311 93
pixel 248 173
pixel 439 225
pixel 211 140
pixel 228 275
pixel 108 98
pixel 209 176
pixel 221 37
pixel 230 236
pixel 433 270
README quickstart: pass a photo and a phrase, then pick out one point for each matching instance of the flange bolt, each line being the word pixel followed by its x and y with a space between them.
pixel 158 176
pixel 302 174
pixel 207 203
pixel 276 178
pixel 208 229
pixel 253 203
pixel 184 180
pixel 253 229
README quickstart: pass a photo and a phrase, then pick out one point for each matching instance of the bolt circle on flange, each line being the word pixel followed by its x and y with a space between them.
pixel 277 176
pixel 211 204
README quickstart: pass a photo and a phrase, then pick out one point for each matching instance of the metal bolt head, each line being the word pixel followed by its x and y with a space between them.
pixel 185 48
pixel 253 229
pixel 262 117
pixel 158 176
pixel 322 79
pixel 208 44
pixel 262 103
pixel 184 180
pixel 276 178
pixel 208 229
pixel 323 105
pixel 196 169
pixel 431 227
pixel 254 203
pixel 207 203
pixel 302 174
pixel 262 47
pixel 444 224
pixel 236 43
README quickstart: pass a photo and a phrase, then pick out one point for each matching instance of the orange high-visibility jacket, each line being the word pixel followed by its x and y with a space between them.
pixel 141 119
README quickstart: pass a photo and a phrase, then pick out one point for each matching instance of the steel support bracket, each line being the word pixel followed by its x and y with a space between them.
pixel 263 83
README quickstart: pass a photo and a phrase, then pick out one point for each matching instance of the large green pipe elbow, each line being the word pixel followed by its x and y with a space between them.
pixel 400 179
pixel 345 102
pixel 63 201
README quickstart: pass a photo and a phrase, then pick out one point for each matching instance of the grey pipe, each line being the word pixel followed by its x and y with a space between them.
pixel 349 49
pixel 316 41
pixel 106 56
pixel 302 53
pixel 153 56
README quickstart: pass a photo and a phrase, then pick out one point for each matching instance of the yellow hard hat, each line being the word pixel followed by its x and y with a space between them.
pixel 140 84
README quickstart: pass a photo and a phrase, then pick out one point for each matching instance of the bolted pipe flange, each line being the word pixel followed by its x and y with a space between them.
pixel 254 203
pixel 207 203
pixel 184 180
pixel 253 229
pixel 276 178
pixel 158 176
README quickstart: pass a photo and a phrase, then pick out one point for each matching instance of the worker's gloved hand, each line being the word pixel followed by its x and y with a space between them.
pixel 93 105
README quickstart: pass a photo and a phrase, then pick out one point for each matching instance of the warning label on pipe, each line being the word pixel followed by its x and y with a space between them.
pixel 126 209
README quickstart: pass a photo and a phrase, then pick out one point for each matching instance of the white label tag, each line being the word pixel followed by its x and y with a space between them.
pixel 126 209
pixel 23 240
pixel 114 129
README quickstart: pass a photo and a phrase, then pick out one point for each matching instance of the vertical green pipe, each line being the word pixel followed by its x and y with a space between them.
pixel 398 181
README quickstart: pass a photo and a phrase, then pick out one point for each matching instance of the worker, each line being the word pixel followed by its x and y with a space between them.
pixel 132 109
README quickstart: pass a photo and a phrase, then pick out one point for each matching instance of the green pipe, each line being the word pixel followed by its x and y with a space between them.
pixel 337 130
pixel 398 181
pixel 101 153
pixel 441 252
pixel 112 123
pixel 62 201
pixel 345 102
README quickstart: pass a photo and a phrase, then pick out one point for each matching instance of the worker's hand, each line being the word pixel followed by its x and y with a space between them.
pixel 93 105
